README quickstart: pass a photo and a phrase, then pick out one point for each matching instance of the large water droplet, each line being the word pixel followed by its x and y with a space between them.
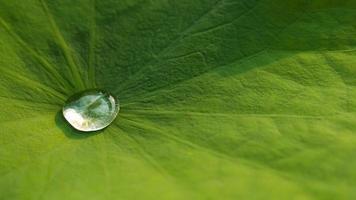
pixel 91 110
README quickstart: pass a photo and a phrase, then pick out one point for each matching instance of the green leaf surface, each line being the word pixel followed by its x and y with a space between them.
pixel 220 99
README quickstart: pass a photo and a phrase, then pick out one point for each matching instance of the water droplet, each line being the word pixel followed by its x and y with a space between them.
pixel 91 110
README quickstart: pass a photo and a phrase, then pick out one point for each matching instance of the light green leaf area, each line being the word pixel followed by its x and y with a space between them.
pixel 220 99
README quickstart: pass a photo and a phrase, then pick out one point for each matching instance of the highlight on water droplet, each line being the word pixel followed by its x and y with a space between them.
pixel 91 110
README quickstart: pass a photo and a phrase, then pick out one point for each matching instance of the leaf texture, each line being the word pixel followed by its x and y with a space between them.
pixel 220 99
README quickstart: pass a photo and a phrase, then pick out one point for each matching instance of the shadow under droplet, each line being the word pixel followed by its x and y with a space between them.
pixel 69 131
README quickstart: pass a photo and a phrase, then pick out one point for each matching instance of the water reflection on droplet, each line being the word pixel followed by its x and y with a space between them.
pixel 91 110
